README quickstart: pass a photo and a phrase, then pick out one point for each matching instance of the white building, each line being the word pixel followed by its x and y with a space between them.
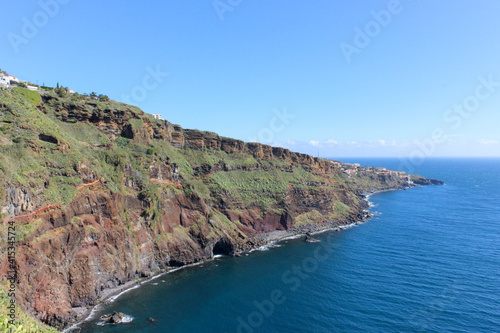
pixel 156 115
pixel 11 78
pixel 32 88
pixel 4 83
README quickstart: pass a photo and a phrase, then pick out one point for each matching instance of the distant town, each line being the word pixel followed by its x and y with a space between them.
pixel 353 169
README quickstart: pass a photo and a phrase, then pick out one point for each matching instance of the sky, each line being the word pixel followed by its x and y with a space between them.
pixel 360 78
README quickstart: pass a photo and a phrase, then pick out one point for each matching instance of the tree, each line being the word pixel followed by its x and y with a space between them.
pixel 103 98
pixel 61 91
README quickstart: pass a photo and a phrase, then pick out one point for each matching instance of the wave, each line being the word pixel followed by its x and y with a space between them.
pixel 76 327
pixel 113 298
pixel 268 246
pixel 127 319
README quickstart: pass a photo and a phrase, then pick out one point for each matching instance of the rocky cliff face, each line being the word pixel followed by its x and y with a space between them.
pixel 107 194
pixel 117 123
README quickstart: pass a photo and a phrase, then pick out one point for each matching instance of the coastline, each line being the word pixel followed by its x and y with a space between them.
pixel 267 240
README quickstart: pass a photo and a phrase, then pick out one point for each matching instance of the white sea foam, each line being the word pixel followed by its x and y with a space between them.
pixel 74 327
pixel 94 311
pixel 127 319
pixel 91 316
pixel 292 237
pixel 113 298
pixel 267 247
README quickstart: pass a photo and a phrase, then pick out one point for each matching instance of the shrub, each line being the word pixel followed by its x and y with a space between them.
pixel 122 141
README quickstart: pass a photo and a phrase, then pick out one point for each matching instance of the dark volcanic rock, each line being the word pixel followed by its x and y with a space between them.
pixel 425 181
pixel 114 318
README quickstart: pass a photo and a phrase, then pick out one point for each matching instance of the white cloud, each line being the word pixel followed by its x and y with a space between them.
pixel 331 143
pixel 314 143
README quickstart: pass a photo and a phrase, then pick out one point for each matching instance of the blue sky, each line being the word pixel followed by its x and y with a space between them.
pixel 334 78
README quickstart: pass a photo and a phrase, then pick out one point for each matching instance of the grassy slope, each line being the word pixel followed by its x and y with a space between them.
pixel 58 166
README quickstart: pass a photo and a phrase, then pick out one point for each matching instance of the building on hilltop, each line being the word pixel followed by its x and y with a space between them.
pixel 11 78
pixel 157 116
pixel 4 83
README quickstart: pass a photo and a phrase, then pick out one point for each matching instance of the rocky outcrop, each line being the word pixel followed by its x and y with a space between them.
pixel 424 181
pixel 18 200
pixel 114 318
pixel 116 122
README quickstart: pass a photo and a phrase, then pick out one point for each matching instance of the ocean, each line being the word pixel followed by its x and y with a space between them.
pixel 428 261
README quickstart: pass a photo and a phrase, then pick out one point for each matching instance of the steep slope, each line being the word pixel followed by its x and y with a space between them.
pixel 101 194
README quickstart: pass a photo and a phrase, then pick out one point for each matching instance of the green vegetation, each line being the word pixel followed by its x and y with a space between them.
pixel 259 188
pixel 307 218
pixel 31 96
pixel 27 230
pixel 340 209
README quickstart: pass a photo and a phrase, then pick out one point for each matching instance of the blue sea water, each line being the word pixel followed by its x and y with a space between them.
pixel 429 261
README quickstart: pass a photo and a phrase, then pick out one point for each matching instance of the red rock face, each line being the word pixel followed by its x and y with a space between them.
pixel 88 246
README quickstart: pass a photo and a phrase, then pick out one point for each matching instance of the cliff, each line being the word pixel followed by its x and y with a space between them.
pixel 101 194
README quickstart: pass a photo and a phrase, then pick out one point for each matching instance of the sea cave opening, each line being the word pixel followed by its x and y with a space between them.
pixel 222 247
